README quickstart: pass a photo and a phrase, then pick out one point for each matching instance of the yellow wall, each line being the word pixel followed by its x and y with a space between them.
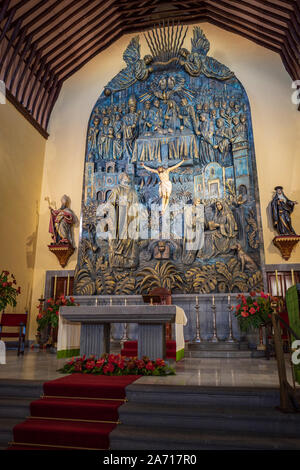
pixel 276 126
pixel 22 151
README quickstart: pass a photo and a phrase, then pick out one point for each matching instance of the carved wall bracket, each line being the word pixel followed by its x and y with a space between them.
pixel 63 252
pixel 285 244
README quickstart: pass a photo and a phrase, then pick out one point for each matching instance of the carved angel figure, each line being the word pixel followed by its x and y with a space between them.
pixel 136 68
pixel 197 61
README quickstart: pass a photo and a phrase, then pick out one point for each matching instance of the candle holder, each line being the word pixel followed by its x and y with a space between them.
pixel 197 338
pixel 214 338
pixel 230 338
pixel 111 325
pixel 125 335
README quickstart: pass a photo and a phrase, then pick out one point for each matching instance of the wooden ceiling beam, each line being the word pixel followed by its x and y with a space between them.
pixel 55 17
pixel 30 77
pixel 105 11
pixel 92 52
pixel 30 12
pixel 9 43
pixel 24 71
pixel 105 28
pixel 3 10
pixel 7 24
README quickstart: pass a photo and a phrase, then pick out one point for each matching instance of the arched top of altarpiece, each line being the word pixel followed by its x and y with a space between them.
pixel 172 128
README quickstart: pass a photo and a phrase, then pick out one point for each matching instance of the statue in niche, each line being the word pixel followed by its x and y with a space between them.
pixel 222 231
pixel 61 223
pixel 136 68
pixel 123 249
pixel 165 185
pixel 197 61
pixel 282 208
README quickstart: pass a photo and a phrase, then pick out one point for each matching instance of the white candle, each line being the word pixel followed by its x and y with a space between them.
pixel 96 302
pixel 293 277
pixel 276 279
pixel 228 299
pixel 110 301
pixel 213 300
pixel 197 301
pixel 54 290
pixel 68 285
pixel 125 301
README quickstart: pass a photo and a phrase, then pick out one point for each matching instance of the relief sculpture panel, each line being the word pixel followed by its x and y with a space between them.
pixel 170 193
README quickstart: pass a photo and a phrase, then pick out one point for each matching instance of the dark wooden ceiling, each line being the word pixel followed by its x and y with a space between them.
pixel 44 42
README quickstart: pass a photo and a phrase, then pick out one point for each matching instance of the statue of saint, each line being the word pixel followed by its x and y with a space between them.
pixel 282 207
pixel 123 248
pixel 165 185
pixel 222 231
pixel 61 222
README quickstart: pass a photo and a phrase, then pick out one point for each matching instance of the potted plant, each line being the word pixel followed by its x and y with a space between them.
pixel 253 312
pixel 48 318
pixel 8 290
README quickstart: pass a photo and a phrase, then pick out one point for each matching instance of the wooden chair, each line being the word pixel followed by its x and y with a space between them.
pixel 19 321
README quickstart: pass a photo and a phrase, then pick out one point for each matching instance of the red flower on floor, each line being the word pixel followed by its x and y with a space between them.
pixel 111 364
pixel 150 366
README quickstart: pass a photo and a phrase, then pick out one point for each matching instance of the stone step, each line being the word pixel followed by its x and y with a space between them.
pixel 221 345
pixel 196 395
pixel 224 354
pixel 15 407
pixel 205 418
pixel 125 437
pixel 20 388
pixel 6 427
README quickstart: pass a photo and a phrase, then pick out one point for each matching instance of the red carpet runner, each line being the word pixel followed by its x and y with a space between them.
pixel 77 411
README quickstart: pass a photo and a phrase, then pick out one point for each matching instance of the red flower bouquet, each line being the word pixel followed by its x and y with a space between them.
pixel 49 316
pixel 115 364
pixel 8 290
pixel 254 310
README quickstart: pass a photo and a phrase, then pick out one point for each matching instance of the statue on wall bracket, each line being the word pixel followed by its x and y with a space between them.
pixel 61 225
pixel 281 210
pixel 170 159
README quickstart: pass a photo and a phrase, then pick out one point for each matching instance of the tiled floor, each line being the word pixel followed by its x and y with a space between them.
pixel 41 365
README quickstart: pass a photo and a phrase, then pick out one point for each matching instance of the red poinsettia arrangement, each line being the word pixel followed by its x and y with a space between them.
pixel 8 290
pixel 49 316
pixel 115 364
pixel 254 310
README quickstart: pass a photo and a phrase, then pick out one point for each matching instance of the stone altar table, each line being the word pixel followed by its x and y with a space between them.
pixel 151 319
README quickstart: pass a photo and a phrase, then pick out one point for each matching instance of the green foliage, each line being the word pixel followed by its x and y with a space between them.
pixel 8 291
pixel 49 316
pixel 253 311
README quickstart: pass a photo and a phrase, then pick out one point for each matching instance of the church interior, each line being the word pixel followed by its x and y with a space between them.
pixel 150 225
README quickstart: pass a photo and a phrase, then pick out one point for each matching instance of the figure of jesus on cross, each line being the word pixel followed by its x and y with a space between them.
pixel 165 185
